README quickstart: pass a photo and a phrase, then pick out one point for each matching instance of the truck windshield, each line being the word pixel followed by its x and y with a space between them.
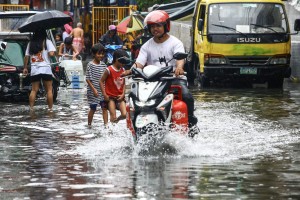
pixel 246 18
pixel 11 24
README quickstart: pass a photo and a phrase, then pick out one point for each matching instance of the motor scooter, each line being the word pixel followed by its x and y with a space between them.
pixel 154 104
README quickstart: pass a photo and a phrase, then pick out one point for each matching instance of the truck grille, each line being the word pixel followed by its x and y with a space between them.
pixel 248 60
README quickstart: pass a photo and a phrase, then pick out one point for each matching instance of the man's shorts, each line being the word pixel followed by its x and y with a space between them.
pixel 103 105
pixel 44 77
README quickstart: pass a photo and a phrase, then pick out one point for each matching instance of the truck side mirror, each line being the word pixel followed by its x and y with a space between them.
pixel 297 25
pixel 3 46
pixel 200 25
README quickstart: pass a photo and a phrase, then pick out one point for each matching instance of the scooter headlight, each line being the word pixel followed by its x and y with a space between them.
pixel 147 103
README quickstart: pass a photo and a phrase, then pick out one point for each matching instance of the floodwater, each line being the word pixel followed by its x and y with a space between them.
pixel 248 149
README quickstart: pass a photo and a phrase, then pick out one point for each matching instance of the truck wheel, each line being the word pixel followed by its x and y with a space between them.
pixel 204 81
pixel 200 80
pixel 196 67
pixel 197 79
pixel 191 72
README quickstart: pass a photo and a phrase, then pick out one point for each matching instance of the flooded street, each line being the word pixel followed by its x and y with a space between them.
pixel 249 148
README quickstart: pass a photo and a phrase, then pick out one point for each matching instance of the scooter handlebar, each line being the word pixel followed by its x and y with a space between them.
pixel 167 74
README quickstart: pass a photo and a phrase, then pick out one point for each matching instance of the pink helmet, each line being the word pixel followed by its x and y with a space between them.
pixel 68 28
pixel 112 27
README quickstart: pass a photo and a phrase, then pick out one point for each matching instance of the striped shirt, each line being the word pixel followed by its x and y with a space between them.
pixel 94 73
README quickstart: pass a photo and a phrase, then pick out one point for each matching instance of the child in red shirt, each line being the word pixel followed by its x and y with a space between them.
pixel 113 86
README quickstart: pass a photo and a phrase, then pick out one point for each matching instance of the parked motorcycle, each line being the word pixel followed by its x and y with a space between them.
pixel 154 104
pixel 14 85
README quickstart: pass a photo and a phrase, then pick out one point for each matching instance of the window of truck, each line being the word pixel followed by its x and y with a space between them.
pixel 254 18
pixel 11 24
pixel 12 55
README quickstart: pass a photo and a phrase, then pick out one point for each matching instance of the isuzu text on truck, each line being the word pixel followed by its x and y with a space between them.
pixel 241 40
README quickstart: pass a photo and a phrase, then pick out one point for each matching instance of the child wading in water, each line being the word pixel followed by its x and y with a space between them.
pixel 95 69
pixel 114 90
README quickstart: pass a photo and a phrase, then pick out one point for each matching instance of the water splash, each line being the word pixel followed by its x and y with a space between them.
pixel 225 135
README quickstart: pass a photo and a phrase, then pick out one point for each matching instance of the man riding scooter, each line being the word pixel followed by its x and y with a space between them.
pixel 111 37
pixel 161 48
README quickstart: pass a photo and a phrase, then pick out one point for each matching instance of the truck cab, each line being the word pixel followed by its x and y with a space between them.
pixel 241 40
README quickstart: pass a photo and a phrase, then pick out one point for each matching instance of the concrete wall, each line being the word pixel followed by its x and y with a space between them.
pixel 294 13
pixel 182 31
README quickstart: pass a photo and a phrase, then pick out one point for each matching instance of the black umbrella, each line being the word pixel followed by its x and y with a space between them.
pixel 45 20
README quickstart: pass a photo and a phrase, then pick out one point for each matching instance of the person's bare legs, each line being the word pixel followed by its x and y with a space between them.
pixel 112 110
pixel 122 107
pixel 35 88
pixel 91 116
pixel 48 88
pixel 105 116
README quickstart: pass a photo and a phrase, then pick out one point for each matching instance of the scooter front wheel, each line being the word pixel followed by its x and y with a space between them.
pixel 150 129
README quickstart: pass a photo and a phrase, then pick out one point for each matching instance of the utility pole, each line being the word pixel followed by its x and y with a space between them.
pixel 72 6
pixel 31 5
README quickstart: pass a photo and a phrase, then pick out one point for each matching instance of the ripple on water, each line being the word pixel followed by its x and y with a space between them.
pixel 226 133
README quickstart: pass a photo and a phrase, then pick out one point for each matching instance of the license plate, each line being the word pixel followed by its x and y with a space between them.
pixel 143 120
pixel 248 70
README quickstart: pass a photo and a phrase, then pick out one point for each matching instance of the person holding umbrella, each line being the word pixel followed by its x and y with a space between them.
pixel 40 49
pixel 38 53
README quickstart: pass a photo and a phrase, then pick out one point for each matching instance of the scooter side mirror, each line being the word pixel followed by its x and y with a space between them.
pixel 180 56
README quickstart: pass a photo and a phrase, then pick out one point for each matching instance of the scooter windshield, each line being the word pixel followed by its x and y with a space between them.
pixel 151 70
